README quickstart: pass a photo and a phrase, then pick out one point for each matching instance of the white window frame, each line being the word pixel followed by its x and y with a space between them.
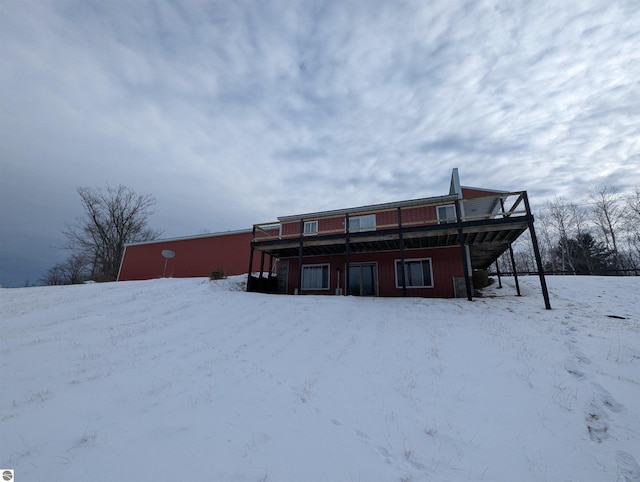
pixel 310 228
pixel 369 223
pixel 446 219
pixel 414 261
pixel 307 268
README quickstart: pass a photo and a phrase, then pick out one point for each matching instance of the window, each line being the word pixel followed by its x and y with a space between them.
pixel 417 273
pixel 315 277
pixel 310 227
pixel 362 223
pixel 447 214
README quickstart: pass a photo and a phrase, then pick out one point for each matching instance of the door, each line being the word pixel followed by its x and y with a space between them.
pixel 363 279
pixel 283 276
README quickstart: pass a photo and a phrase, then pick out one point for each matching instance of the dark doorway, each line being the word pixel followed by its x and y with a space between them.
pixel 363 279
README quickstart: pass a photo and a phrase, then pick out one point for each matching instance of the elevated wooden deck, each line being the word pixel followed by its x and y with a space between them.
pixel 488 230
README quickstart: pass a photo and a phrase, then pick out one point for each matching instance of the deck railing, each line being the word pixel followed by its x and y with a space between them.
pixel 503 205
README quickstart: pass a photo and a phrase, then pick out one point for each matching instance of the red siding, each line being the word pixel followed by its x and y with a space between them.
pixel 419 214
pixel 384 220
pixel 291 229
pixel 325 225
pixel 194 257
pixel 387 219
pixel 446 264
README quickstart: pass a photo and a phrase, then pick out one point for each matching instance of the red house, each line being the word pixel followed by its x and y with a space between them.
pixel 430 247
pixel 193 256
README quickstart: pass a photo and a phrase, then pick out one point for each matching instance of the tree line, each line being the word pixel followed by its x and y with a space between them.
pixel 600 235
pixel 112 217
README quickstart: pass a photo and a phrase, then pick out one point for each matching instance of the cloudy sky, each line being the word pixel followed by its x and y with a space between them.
pixel 236 112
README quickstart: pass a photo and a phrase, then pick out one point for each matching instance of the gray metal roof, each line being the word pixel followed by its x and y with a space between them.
pixel 186 238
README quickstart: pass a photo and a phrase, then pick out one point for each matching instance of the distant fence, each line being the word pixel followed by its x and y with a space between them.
pixel 599 272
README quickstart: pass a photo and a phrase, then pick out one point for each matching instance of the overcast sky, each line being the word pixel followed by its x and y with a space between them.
pixel 235 112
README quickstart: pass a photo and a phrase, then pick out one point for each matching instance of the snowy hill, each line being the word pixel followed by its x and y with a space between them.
pixel 194 380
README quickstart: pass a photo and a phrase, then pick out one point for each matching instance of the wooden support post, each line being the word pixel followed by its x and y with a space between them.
pixel 463 253
pixel 498 273
pixel 261 265
pixel 513 260
pixel 253 237
pixel 270 265
pixel 300 252
pixel 347 255
pixel 536 252
pixel 401 239
pixel 514 269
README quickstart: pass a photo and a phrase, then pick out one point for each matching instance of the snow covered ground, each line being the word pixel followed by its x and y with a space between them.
pixel 189 379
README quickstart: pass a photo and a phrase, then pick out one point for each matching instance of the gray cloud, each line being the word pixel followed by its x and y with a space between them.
pixel 238 112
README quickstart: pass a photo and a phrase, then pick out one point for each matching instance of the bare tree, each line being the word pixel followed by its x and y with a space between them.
pixel 633 205
pixel 55 276
pixel 608 216
pixel 112 218
pixel 582 232
pixel 546 246
pixel 632 211
pixel 523 254
pixel 71 271
pixel 525 261
pixel 561 218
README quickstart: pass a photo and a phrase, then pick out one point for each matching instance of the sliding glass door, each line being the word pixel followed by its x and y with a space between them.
pixel 363 279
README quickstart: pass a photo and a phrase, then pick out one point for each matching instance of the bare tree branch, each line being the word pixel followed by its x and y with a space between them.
pixel 609 216
pixel 113 218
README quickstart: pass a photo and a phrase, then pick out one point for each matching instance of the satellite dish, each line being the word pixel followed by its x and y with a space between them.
pixel 167 254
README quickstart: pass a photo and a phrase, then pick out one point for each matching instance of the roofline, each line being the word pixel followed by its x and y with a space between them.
pixel 186 238
pixel 371 207
pixel 497 191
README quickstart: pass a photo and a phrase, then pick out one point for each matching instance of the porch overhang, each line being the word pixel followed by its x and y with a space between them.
pixel 487 240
